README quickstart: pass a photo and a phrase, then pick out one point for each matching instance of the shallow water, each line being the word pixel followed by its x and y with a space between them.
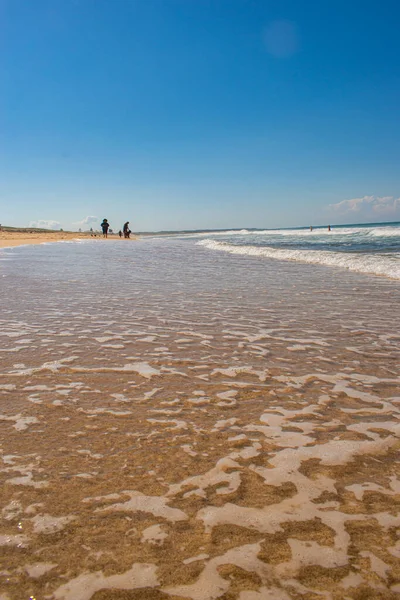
pixel 182 423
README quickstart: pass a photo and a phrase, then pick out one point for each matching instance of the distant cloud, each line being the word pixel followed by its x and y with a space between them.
pixel 281 39
pixel 87 222
pixel 368 206
pixel 45 224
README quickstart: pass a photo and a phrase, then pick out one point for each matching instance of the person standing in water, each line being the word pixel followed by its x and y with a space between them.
pixel 126 230
pixel 104 226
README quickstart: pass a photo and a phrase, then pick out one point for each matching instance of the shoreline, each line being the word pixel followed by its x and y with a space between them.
pixel 13 239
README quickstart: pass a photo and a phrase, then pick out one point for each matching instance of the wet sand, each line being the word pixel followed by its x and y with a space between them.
pixel 211 429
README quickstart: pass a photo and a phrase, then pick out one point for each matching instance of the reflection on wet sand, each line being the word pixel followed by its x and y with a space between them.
pixel 229 439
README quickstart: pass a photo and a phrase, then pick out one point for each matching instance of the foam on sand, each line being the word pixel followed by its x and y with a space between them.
pixel 140 575
pixel 154 505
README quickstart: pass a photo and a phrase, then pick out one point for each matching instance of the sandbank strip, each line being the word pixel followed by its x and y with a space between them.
pixel 9 239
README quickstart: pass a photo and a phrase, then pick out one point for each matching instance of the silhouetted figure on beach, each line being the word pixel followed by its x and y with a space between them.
pixel 126 230
pixel 105 225
pixel 329 227
pixel 120 233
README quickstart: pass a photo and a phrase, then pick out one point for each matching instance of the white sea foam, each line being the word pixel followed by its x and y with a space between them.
pixel 154 505
pixel 14 540
pixel 83 587
pixel 270 593
pixel 38 569
pixel 382 264
pixel 48 524
pixel 21 423
pixel 154 535
pixel 11 510
pixel 377 231
pixel 192 559
pixel 385 232
pixel 211 584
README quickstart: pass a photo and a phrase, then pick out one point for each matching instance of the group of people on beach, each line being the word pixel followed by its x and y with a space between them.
pixel 126 232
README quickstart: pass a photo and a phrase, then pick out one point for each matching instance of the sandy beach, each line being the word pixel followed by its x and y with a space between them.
pixel 23 237
pixel 175 426
pixel 9 239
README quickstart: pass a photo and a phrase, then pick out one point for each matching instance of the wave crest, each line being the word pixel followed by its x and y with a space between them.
pixel 382 264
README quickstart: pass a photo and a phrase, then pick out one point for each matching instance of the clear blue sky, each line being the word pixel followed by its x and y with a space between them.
pixel 199 113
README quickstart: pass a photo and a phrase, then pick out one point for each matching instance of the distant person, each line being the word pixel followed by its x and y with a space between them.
pixel 120 233
pixel 310 227
pixel 105 225
pixel 329 227
pixel 126 230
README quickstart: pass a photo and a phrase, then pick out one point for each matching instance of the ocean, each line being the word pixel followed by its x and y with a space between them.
pixel 178 421
pixel 373 248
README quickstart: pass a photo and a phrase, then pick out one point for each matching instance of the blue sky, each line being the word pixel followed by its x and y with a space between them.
pixel 186 114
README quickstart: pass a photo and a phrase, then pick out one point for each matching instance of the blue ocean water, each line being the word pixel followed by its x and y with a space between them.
pixel 373 248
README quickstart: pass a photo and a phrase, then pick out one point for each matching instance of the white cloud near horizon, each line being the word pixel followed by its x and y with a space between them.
pixel 45 224
pixel 87 221
pixel 368 206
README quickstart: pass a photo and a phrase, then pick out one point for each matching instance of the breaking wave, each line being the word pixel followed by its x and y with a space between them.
pixel 371 231
pixel 376 264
